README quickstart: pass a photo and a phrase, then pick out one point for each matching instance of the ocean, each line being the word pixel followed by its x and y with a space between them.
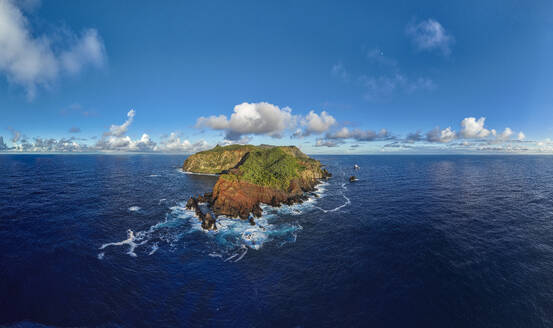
pixel 417 241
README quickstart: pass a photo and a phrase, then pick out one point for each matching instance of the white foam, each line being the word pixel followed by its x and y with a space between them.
pixel 231 257
pixel 155 247
pixel 134 208
pixel 348 202
pixel 231 234
pixel 129 241
pixel 195 173
pixel 101 256
pixel 215 255
pixel 243 254
pixel 154 175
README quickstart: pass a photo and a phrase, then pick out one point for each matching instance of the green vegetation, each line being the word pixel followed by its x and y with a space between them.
pixel 272 167
pixel 216 160
pixel 263 165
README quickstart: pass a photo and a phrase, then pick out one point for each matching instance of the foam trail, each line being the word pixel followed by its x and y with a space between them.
pixel 243 254
pixel 194 173
pixel 215 255
pixel 231 257
pixel 129 241
pixel 155 247
pixel 348 202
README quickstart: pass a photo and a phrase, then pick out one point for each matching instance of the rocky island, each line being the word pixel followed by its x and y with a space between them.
pixel 250 176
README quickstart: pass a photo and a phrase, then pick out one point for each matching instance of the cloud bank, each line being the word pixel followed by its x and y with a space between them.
pixel 266 119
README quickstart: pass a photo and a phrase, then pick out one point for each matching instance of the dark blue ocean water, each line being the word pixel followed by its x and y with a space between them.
pixel 426 241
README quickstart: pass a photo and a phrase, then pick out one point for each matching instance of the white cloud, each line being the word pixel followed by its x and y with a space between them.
pixel 174 144
pixel 442 136
pixel 521 136
pixel 251 118
pixel 244 140
pixel 116 140
pixel 119 130
pixel 505 135
pixel 359 135
pixel 31 61
pixel 429 35
pixel 316 124
pixel 471 128
pixel 328 143
pixel 89 49
pixel 48 145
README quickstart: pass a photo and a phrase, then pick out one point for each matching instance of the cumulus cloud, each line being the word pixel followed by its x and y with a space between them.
pixel 251 118
pixel 430 35
pixel 244 140
pixel 506 134
pixel 173 143
pixel 116 140
pixel 359 135
pixel 472 128
pixel 62 145
pixel 316 124
pixel 442 136
pixel 31 61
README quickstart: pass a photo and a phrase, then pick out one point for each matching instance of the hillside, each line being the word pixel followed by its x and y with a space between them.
pixel 251 175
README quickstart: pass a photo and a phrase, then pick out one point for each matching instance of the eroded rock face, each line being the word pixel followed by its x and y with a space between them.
pixel 239 199
pixel 208 222
pixel 262 175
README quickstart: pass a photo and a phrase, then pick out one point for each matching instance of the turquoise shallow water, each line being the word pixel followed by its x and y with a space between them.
pixel 96 240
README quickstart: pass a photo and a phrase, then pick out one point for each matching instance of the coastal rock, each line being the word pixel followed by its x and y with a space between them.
pixel 251 176
pixel 208 222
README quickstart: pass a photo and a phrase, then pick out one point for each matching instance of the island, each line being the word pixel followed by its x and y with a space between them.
pixel 249 176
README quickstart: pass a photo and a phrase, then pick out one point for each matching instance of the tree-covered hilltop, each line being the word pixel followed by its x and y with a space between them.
pixel 216 160
pixel 264 165
pixel 250 175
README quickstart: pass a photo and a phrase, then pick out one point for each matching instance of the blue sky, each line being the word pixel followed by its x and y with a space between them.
pixel 330 77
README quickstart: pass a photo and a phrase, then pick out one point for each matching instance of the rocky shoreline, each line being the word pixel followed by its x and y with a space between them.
pixel 237 194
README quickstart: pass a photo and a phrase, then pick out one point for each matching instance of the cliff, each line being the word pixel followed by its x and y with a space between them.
pixel 251 175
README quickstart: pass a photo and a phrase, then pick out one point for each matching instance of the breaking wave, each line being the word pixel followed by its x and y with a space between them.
pixel 195 173
pixel 233 237
pixel 346 203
